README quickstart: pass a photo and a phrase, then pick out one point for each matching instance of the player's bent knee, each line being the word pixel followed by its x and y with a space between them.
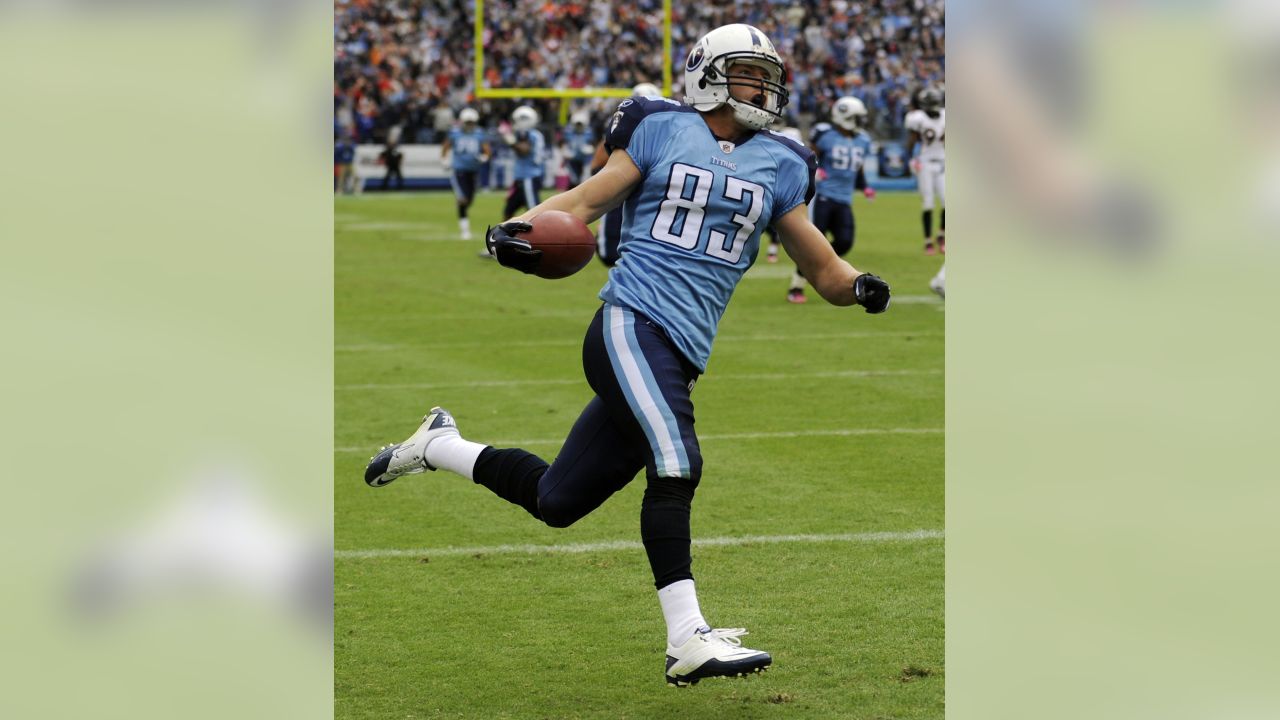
pixel 559 511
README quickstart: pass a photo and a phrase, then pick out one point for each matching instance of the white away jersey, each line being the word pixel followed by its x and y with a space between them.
pixel 932 133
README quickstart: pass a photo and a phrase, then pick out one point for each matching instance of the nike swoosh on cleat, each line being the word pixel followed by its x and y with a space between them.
pixel 377 468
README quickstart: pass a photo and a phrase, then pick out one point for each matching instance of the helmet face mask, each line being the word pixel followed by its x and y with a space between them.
pixel 930 101
pixel 709 73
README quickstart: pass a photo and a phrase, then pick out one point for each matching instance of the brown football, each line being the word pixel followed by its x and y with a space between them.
pixel 566 242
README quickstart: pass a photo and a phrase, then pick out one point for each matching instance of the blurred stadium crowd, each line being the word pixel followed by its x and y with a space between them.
pixel 403 68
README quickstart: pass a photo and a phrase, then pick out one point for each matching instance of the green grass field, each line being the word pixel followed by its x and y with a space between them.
pixel 814 421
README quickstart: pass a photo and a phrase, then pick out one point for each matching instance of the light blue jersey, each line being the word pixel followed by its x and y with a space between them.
pixel 692 227
pixel 530 166
pixel 465 147
pixel 840 158
pixel 581 145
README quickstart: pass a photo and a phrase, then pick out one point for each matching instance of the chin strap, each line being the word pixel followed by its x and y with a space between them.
pixel 750 115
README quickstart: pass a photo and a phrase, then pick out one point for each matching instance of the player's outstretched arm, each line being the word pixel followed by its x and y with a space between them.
pixel 598 194
pixel 838 282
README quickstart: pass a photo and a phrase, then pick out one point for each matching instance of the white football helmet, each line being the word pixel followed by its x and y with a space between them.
pixel 468 116
pixel 579 118
pixel 646 89
pixel 524 118
pixel 848 113
pixel 707 78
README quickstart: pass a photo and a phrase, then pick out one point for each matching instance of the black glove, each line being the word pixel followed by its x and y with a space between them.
pixel 510 250
pixel 871 292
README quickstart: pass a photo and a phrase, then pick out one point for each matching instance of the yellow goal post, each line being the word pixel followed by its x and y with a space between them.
pixel 569 93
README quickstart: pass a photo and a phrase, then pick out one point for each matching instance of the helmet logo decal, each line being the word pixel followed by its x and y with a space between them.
pixel 755 37
pixel 696 57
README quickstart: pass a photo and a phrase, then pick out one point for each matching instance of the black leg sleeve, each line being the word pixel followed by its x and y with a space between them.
pixel 664 527
pixel 512 475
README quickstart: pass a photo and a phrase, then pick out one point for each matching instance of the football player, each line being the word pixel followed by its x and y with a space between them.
pixel 693 210
pixel 841 146
pixel 530 148
pixel 470 146
pixel 578 143
pixel 927 127
pixel 609 232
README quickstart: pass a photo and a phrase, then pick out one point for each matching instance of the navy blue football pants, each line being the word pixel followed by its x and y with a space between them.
pixel 832 216
pixel 523 195
pixel 640 418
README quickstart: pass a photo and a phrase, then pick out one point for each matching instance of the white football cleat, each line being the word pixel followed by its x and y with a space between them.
pixel 939 283
pixel 409 457
pixel 713 653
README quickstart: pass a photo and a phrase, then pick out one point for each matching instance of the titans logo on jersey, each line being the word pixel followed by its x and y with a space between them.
pixel 466 148
pixel 530 166
pixel 840 157
pixel 692 227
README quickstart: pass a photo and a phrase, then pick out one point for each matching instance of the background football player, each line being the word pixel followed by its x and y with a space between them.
pixel 530 148
pixel 841 147
pixel 577 142
pixel 609 233
pixel 470 146
pixel 927 127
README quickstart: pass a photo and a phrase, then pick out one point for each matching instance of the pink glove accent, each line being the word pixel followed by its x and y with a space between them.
pixel 821 174
pixel 869 193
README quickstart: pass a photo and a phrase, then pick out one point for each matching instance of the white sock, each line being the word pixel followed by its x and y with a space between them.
pixel 797 281
pixel 464 225
pixel 680 609
pixel 452 453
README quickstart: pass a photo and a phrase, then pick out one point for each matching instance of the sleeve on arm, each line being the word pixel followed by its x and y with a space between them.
pixel 626 131
pixel 860 180
pixel 796 184
pixel 811 189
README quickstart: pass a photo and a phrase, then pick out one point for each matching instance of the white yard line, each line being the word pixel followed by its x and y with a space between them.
pixel 610 545
pixel 378 226
pixel 439 238
pixel 577 341
pixel 576 381
pixel 843 432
